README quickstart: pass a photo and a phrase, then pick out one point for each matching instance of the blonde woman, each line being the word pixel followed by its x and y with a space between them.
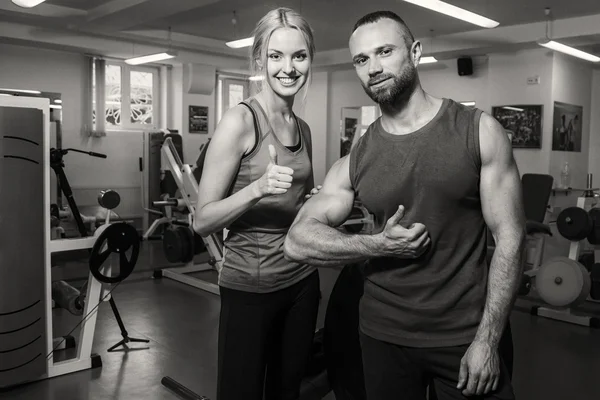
pixel 256 176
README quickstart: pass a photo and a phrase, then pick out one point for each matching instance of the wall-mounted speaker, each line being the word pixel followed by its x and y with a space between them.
pixel 465 66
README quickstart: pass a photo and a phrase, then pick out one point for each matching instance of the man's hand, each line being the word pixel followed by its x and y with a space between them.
pixel 313 192
pixel 398 241
pixel 479 369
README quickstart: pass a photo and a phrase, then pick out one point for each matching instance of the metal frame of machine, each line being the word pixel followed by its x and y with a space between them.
pixel 95 291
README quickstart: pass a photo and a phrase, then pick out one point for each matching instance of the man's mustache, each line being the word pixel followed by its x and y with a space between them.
pixel 379 78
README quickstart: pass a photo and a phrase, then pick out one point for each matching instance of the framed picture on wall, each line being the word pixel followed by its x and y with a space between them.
pixel 522 123
pixel 566 127
pixel 198 119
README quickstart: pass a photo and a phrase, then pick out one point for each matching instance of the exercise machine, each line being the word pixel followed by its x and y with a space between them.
pixel 180 243
pixel 564 283
pixel 27 346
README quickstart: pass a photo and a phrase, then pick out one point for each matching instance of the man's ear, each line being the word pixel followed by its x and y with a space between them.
pixel 416 50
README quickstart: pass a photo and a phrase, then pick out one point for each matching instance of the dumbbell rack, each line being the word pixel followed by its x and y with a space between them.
pixel 566 314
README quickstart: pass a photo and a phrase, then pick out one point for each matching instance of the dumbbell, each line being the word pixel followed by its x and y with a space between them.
pixel 575 224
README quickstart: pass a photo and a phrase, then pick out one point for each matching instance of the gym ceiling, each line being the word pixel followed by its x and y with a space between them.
pixel 126 28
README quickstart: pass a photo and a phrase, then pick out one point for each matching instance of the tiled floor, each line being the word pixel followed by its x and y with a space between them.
pixel 553 360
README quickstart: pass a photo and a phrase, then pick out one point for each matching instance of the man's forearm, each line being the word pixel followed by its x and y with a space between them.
pixel 504 278
pixel 315 243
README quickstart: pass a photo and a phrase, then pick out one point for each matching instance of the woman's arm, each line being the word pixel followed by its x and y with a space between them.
pixel 233 137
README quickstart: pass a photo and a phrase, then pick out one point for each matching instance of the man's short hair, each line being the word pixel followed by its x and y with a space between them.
pixel 379 15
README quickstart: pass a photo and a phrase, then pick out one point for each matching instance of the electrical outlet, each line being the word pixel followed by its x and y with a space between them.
pixel 533 80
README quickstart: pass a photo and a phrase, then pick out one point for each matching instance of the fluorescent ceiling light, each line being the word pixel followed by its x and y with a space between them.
pixel 427 60
pixel 468 103
pixel 455 12
pixel 151 58
pixel 256 78
pixel 55 106
pixel 27 3
pixel 58 101
pixel 513 108
pixel 236 44
pixel 551 44
pixel 22 91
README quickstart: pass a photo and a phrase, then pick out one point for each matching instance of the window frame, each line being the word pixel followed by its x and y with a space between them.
pixel 222 95
pixel 126 125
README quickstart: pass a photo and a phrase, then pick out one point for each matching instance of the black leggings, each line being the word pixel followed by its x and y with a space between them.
pixel 265 341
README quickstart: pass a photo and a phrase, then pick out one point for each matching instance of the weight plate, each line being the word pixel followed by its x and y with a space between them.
pixel 594 235
pixel 187 238
pixel 109 199
pixel 525 285
pixel 574 223
pixel 115 238
pixel 562 282
pixel 595 277
pixel 172 245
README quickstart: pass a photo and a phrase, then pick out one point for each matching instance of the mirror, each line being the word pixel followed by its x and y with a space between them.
pixel 55 129
pixel 354 123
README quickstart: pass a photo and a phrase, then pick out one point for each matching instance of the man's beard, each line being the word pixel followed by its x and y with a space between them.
pixel 400 86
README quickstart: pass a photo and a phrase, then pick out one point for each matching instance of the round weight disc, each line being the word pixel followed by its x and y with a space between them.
pixel 594 235
pixel 115 238
pixel 187 238
pixel 172 245
pixel 109 199
pixel 562 282
pixel 574 223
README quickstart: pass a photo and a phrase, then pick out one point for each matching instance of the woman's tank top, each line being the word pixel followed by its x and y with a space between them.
pixel 253 258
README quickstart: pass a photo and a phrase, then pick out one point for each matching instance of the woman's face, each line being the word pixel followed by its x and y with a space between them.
pixel 288 64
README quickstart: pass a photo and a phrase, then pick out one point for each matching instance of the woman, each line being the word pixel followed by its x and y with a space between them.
pixel 256 176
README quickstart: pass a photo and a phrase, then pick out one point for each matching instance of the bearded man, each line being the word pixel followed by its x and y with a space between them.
pixel 436 175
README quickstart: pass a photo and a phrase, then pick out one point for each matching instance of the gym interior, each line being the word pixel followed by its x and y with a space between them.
pixel 144 323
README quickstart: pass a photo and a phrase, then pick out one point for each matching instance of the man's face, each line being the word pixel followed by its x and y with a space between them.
pixel 382 61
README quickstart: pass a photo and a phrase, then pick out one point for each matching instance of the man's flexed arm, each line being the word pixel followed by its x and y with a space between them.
pixel 314 239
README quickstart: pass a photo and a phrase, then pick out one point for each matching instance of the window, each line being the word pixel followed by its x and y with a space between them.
pixel 230 91
pixel 131 96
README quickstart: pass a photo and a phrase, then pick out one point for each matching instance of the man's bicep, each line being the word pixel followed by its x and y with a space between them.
pixel 500 188
pixel 333 204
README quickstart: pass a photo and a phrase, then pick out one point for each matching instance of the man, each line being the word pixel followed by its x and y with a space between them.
pixel 435 175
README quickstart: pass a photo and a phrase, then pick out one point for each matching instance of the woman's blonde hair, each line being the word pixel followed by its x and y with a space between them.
pixel 278 18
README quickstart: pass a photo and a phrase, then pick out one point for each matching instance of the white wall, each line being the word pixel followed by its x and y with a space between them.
pixel 193 141
pixel 501 79
pixel 572 84
pixel 345 90
pixel 507 85
pixel 594 148
pixel 442 80
pixel 66 73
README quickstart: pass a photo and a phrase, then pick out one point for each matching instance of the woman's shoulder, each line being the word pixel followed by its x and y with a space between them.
pixel 238 120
